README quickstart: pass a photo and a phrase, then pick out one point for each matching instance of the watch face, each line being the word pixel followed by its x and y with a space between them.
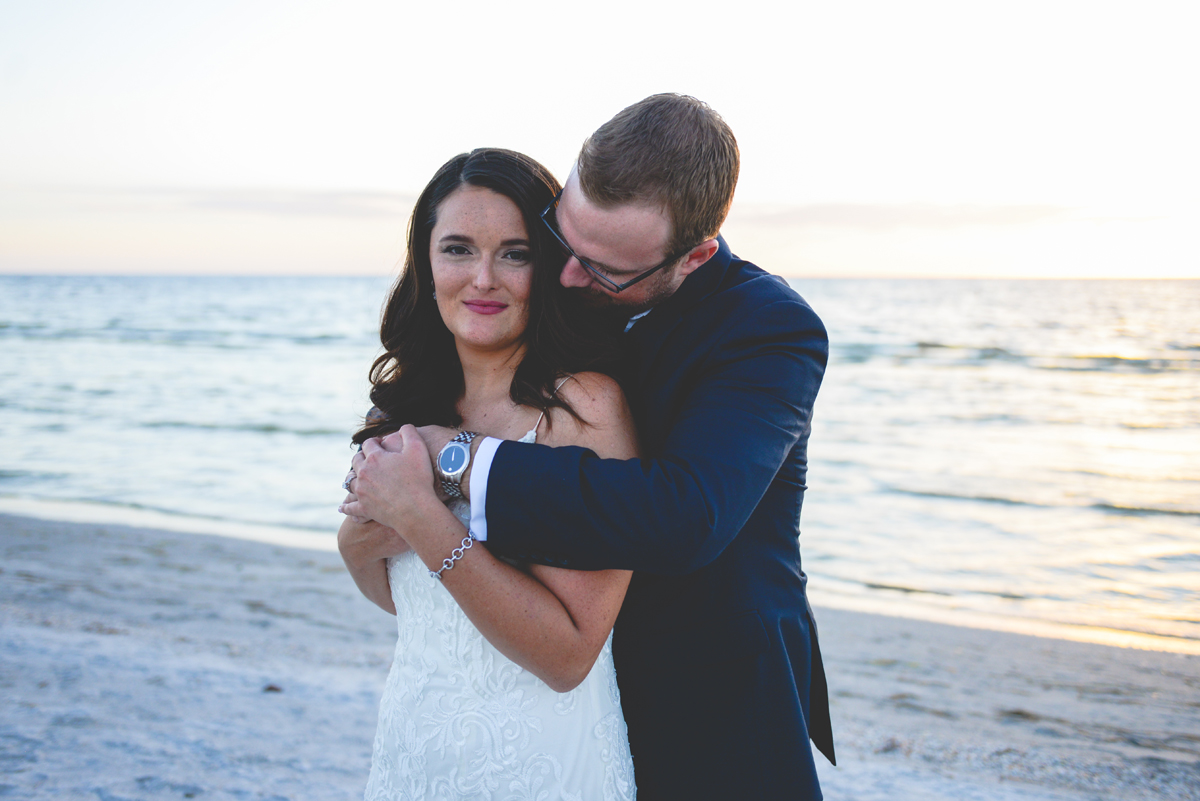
pixel 453 458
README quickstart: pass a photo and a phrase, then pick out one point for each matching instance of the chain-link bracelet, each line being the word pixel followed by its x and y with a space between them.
pixel 455 555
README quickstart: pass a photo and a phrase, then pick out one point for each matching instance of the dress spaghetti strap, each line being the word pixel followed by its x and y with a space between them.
pixel 531 434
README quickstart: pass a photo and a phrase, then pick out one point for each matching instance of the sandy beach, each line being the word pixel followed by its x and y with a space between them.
pixel 144 664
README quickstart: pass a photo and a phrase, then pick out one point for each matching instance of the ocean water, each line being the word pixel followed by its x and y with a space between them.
pixel 1015 454
pixel 1011 451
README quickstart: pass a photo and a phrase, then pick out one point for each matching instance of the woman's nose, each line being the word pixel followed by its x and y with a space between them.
pixel 485 275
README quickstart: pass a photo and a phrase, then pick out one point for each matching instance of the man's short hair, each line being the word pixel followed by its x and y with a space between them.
pixel 669 150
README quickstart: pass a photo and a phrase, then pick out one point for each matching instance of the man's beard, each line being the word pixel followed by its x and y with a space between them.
pixel 596 299
pixel 607 303
pixel 602 308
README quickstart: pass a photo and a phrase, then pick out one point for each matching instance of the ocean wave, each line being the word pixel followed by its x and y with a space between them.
pixel 956 496
pixel 1144 510
pixel 254 428
pixel 973 355
pixel 36 475
pixel 1113 364
pixel 1101 506
pixel 900 588
pixel 1010 418
pixel 1150 426
pixel 10 474
pixel 1001 354
pixel 1181 557
pixel 225 339
pixel 1008 596
pixel 218 339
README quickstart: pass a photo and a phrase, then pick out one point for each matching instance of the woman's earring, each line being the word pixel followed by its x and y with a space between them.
pixel 435 294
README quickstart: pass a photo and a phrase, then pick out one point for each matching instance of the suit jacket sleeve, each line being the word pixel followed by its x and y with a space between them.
pixel 747 404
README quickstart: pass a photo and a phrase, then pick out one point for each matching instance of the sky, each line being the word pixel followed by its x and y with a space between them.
pixel 939 139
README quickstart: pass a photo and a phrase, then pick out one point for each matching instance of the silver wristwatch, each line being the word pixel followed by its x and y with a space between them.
pixel 453 461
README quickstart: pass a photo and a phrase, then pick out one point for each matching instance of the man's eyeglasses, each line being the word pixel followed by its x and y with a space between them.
pixel 548 217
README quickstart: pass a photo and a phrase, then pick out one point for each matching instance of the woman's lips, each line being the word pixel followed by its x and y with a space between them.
pixel 485 306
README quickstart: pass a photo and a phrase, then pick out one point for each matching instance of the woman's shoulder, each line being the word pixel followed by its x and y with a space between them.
pixel 592 395
pixel 599 401
pixel 590 390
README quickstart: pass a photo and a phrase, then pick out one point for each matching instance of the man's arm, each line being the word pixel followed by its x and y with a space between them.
pixel 676 512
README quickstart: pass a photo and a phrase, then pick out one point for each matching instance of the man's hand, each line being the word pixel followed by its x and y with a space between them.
pixel 393 481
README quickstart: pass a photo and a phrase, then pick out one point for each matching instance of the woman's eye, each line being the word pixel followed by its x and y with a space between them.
pixel 520 256
pixel 456 250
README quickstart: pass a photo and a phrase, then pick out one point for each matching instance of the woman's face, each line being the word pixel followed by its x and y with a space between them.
pixel 482 268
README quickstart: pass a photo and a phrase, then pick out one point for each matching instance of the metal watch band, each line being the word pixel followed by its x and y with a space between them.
pixel 450 486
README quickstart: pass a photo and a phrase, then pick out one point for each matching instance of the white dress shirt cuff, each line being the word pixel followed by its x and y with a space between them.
pixel 478 485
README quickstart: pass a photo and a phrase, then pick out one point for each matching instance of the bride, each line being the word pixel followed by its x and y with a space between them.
pixel 502 684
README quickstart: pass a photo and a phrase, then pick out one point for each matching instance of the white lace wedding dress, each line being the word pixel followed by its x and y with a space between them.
pixel 459 720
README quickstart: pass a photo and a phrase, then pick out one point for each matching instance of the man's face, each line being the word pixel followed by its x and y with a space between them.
pixel 622 242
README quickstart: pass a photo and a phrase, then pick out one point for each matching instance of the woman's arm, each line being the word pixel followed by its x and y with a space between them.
pixel 366 545
pixel 365 548
pixel 553 622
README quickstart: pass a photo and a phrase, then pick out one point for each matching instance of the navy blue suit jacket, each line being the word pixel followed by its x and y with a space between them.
pixel 715 647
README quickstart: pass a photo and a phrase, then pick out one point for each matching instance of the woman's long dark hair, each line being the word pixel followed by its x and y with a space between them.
pixel 419 379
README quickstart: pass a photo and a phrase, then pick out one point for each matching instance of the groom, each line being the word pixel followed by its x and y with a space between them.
pixel 716 650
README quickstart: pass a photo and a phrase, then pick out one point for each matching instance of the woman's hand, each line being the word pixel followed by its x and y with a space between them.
pixel 393 482
pixel 351 498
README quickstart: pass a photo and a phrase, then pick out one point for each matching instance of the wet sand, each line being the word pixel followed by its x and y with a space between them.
pixel 148 664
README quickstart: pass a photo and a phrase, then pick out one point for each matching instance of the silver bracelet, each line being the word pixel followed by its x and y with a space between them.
pixel 455 555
